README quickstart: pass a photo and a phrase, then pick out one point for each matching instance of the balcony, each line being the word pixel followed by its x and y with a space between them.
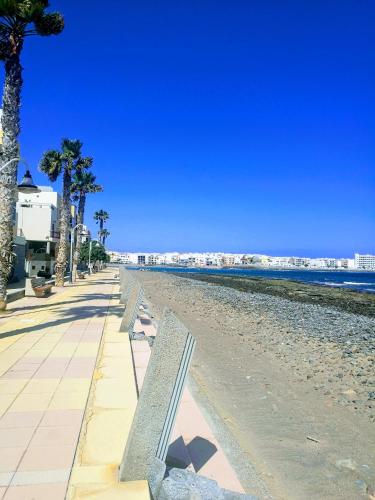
pixel 54 235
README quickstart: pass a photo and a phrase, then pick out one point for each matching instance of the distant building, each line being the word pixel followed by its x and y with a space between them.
pixel 141 260
pixel 38 223
pixel 366 262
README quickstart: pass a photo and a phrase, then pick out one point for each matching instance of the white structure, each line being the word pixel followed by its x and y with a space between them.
pixel 220 259
pixel 37 215
pixel 366 262
pixel 37 222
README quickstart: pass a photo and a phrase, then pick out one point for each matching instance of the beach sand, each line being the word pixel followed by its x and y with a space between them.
pixel 291 381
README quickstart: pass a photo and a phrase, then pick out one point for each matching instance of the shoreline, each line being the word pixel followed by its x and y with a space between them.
pixel 352 301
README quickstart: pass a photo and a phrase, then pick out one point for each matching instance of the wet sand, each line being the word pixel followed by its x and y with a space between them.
pixel 291 381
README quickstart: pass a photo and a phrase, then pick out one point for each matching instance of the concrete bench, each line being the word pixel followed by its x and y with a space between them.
pixel 37 287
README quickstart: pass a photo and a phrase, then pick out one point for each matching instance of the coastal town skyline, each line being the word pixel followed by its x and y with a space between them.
pixel 224 259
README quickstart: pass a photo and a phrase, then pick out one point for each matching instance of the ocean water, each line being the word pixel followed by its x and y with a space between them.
pixel 355 280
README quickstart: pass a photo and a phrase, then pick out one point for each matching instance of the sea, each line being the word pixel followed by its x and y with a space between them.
pixel 353 280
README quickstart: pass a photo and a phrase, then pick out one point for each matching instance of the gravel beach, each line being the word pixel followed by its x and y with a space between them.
pixel 291 375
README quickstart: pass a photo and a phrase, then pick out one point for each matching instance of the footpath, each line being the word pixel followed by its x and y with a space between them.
pixel 69 383
pixel 48 352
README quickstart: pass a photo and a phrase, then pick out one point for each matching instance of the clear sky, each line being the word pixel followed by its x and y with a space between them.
pixel 238 126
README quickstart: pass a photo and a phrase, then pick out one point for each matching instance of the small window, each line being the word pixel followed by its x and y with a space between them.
pixel 33 267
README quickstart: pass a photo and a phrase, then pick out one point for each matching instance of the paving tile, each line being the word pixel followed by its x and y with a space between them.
pixel 5 478
pixel 69 338
pixel 68 401
pixel 110 393
pixel 55 436
pixel 74 385
pixel 28 364
pixel 14 375
pixel 15 437
pixel 62 417
pixel 91 336
pixel 86 349
pixel 79 372
pixel 64 350
pixel 36 352
pixel 15 419
pixel 41 385
pixel 10 458
pixel 115 350
pixel 12 386
pixel 31 402
pixel 39 458
pixel 25 486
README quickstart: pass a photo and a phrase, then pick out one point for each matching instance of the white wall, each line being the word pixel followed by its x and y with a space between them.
pixel 37 214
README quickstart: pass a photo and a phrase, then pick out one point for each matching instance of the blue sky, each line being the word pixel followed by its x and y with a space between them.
pixel 241 126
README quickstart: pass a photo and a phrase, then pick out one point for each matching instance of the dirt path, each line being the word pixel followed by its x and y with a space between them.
pixel 305 441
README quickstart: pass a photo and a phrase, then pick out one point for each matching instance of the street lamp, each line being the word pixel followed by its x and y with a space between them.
pixel 90 248
pixel 27 185
pixel 71 251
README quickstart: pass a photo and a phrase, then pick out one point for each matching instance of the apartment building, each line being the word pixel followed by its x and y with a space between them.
pixel 366 262
pixel 37 216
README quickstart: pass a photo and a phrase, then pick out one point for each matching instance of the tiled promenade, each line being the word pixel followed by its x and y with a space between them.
pixel 68 395
pixel 48 351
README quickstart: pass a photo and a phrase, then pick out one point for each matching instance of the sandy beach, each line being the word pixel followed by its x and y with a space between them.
pixel 288 370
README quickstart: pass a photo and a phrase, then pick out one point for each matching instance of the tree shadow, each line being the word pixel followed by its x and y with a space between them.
pixel 56 305
pixel 68 316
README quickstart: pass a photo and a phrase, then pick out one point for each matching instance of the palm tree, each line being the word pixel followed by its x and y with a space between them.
pixel 104 233
pixel 18 19
pixel 83 183
pixel 53 163
pixel 101 216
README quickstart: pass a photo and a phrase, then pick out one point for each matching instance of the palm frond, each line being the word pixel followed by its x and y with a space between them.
pixel 48 24
pixel 83 163
pixel 71 148
pixel 8 8
pixel 101 215
pixel 51 164
pixel 84 182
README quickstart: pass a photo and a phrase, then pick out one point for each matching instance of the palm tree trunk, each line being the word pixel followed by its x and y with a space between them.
pixel 80 219
pixel 62 255
pixel 10 123
pixel 101 224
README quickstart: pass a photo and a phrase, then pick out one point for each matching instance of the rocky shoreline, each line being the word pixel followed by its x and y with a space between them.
pixel 266 340
pixel 343 299
pixel 340 344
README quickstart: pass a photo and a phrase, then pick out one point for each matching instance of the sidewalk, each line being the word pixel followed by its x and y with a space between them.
pixel 48 351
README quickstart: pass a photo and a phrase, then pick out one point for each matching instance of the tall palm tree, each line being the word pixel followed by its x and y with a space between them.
pixel 104 233
pixel 83 183
pixel 66 162
pixel 101 216
pixel 18 19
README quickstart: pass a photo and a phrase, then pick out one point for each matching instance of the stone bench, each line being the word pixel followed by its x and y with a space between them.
pixel 37 287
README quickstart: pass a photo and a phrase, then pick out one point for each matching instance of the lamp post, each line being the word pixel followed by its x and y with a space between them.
pixel 90 248
pixel 71 251
pixel 27 185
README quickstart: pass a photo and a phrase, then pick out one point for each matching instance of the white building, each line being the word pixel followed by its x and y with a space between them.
pixel 37 221
pixel 364 261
